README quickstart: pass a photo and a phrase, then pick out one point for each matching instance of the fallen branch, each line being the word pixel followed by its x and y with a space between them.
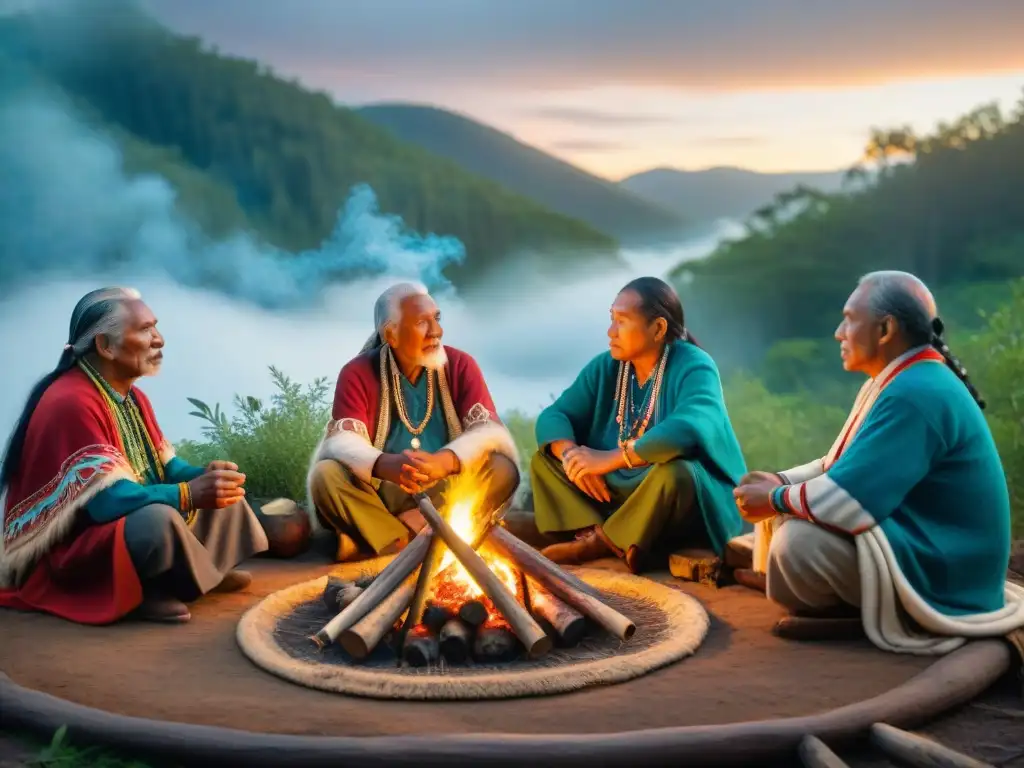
pixel 815 754
pixel 918 751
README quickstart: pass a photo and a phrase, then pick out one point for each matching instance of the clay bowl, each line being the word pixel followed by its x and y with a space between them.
pixel 287 527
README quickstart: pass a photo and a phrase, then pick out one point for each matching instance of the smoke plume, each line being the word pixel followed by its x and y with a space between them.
pixel 67 210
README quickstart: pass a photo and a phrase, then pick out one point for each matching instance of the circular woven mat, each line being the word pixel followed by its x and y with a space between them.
pixel 670 625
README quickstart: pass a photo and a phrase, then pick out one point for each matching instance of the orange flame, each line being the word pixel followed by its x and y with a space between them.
pixel 468 517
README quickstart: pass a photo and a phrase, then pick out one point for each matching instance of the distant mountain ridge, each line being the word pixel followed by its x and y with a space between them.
pixel 724 192
pixel 528 171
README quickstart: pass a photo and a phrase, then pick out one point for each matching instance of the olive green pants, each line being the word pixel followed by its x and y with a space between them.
pixel 657 513
pixel 346 504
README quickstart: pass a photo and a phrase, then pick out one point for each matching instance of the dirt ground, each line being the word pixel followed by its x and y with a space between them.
pixel 742 672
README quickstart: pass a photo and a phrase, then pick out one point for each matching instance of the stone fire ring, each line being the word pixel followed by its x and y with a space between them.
pixel 951 681
pixel 274 635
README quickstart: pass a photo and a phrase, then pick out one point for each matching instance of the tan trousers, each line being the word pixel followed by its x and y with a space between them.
pixel 811 569
pixel 347 505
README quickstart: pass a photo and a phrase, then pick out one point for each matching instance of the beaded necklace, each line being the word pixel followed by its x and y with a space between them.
pixel 630 428
pixel 138 445
pixel 396 382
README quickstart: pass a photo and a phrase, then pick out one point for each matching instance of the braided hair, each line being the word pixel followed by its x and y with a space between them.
pixel 99 312
pixel 953 361
pixel 658 299
pixel 906 299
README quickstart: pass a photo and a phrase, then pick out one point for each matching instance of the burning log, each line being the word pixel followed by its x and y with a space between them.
pixel 420 648
pixel 436 616
pixel 360 640
pixel 568 624
pixel 473 612
pixel 455 639
pixel 339 594
pixel 495 640
pixel 523 553
pixel 535 640
pixel 387 580
pixel 562 584
pixel 427 572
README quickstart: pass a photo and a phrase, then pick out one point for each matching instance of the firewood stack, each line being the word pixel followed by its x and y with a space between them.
pixel 426 616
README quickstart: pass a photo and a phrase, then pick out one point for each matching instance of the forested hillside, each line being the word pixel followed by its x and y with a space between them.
pixel 716 193
pixel 289 156
pixel 948 207
pixel 527 170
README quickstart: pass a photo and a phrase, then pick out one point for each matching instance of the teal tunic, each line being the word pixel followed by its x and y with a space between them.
pixel 924 467
pixel 691 423
pixel 434 436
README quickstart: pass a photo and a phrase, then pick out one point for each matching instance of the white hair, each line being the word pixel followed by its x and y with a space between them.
pixel 387 310
pixel 110 321
pixel 885 284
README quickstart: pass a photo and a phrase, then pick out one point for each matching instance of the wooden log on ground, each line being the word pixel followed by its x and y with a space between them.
pixel 814 753
pixel 360 639
pixel 386 582
pixel 495 640
pixel 339 594
pixel 533 638
pixel 553 578
pixel 436 616
pixel 917 751
pixel 524 553
pixel 568 624
pixel 420 648
pixel 473 612
pixel 455 640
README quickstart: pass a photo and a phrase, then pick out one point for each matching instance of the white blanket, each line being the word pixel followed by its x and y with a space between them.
pixel 888 599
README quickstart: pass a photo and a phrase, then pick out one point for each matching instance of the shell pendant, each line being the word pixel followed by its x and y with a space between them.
pixel 415 443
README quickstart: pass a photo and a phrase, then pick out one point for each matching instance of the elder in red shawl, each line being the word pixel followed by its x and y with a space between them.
pixel 409 413
pixel 100 518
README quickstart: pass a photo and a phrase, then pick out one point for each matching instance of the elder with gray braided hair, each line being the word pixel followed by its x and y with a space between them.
pixel 906 520
pixel 100 518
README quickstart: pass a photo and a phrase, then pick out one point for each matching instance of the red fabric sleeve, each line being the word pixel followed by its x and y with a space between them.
pixel 356 396
pixel 469 387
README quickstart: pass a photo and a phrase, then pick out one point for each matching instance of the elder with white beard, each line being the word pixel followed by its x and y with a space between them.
pixel 409 414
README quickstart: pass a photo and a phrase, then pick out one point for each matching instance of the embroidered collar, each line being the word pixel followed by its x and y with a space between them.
pixel 899 361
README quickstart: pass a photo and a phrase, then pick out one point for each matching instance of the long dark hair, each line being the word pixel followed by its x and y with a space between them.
pixel 98 312
pixel 658 299
pixel 907 300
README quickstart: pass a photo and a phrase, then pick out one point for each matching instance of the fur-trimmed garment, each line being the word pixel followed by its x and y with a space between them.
pixel 364 406
pixel 915 484
pixel 72 452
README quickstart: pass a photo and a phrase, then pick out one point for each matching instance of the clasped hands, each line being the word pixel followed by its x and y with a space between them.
pixel 416 471
pixel 586 468
pixel 219 486
pixel 753 496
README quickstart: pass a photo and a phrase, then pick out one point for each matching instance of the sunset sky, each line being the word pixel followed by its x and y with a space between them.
pixel 619 86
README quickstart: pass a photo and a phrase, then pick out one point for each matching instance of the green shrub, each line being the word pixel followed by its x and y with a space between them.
pixel 272 445
pixel 994 359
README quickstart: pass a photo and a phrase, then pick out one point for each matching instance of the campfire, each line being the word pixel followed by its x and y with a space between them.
pixel 465 589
